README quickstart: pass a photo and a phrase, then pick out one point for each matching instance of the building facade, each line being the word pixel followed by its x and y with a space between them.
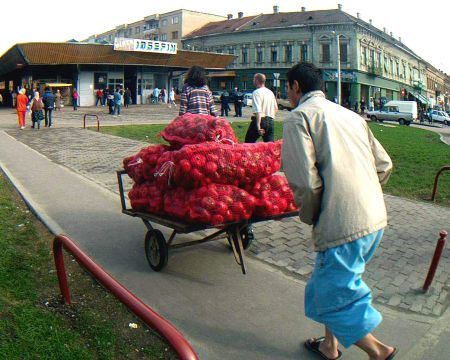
pixel 373 62
pixel 171 26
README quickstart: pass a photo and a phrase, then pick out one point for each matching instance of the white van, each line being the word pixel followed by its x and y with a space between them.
pixel 404 112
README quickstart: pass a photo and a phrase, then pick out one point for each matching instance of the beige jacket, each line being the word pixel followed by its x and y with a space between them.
pixel 335 167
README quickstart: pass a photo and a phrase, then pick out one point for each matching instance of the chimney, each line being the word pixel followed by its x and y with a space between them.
pixel 391 34
pixel 229 16
pixel 303 9
pixel 400 38
pixel 340 6
pixel 384 29
pixel 370 21
pixel 240 15
pixel 358 15
pixel 276 9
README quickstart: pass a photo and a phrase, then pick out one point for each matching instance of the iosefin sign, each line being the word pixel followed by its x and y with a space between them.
pixel 125 44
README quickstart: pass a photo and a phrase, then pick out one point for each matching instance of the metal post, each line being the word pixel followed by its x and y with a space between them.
pixel 338 70
pixel 435 262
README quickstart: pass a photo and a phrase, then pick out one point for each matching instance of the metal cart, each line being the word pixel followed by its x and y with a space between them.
pixel 157 248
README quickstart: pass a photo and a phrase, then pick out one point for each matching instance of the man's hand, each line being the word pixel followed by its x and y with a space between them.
pixel 261 131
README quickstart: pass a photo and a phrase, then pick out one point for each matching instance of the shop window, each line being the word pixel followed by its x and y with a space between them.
pixel 325 53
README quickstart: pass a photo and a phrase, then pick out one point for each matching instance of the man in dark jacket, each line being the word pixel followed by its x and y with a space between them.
pixel 224 98
pixel 49 103
pixel 238 98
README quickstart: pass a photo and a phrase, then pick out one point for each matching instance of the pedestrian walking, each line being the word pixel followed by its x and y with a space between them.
pixel 172 98
pixel 430 116
pixel 58 100
pixel 22 103
pixel 196 98
pixel 117 102
pixel 75 99
pixel 238 99
pixel 155 98
pixel 264 109
pixel 163 95
pixel 49 103
pixel 105 96
pixel 127 97
pixel 224 107
pixel 335 165
pixel 37 114
pixel 99 94
pixel 371 104
pixel 363 106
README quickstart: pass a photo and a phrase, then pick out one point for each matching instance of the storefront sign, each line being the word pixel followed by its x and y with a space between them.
pixel 124 44
pixel 333 75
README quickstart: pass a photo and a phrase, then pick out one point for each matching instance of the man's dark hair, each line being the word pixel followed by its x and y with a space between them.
pixel 196 76
pixel 309 77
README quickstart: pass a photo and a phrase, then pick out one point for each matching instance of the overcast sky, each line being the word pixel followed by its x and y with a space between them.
pixel 423 26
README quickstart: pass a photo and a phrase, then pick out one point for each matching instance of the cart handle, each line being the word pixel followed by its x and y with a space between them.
pixel 121 193
pixel 151 318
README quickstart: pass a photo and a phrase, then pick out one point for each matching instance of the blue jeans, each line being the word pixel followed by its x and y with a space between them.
pixel 117 109
pixel 48 117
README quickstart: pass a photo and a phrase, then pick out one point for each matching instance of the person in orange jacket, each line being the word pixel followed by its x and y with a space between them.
pixel 22 102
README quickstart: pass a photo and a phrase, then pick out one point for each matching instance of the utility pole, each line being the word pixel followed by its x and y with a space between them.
pixel 338 67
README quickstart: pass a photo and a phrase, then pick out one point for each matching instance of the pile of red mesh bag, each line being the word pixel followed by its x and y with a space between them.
pixel 190 129
pixel 206 177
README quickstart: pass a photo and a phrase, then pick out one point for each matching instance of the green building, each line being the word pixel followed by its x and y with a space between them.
pixel 373 62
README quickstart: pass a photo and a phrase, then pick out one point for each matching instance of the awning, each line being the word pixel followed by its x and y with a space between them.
pixel 222 74
pixel 58 84
pixel 421 98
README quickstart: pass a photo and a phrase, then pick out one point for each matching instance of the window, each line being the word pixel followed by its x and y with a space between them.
pixel 164 22
pixel 137 30
pixel 174 35
pixel 325 52
pixel 259 55
pixel 244 55
pixel 304 53
pixel 371 56
pixel 343 52
pixel 288 53
pixel 163 37
pixel 274 54
pixel 175 20
pixel 364 55
pixel 219 51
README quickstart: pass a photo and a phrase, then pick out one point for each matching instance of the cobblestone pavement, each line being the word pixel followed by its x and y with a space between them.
pixel 395 274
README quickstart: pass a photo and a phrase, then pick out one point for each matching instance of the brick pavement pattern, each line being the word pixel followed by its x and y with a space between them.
pixel 395 274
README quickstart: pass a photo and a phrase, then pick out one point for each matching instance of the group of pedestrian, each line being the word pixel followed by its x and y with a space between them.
pixel 115 101
pixel 103 95
pixel 334 165
pixel 237 98
pixel 41 108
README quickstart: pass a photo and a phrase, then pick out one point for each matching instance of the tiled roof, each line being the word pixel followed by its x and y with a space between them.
pixel 79 53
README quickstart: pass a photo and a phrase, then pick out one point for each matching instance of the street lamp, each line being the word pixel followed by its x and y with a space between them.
pixel 338 68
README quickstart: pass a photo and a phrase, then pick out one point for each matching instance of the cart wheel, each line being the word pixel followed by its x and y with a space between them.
pixel 247 237
pixel 156 249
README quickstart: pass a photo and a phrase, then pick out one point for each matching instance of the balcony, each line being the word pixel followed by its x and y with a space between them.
pixel 374 70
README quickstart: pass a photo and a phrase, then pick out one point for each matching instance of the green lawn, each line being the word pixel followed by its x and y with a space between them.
pixel 417 155
pixel 33 322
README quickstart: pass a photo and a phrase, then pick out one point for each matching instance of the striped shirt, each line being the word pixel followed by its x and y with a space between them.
pixel 197 100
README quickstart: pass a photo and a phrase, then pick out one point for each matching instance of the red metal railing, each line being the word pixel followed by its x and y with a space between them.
pixel 436 179
pixel 91 115
pixel 145 313
pixel 435 262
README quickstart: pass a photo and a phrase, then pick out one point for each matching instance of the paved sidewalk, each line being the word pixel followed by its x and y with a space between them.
pixel 225 314
pixel 396 272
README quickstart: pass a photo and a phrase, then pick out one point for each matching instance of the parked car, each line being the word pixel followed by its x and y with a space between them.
pixel 405 112
pixel 284 104
pixel 248 99
pixel 216 95
pixel 440 117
